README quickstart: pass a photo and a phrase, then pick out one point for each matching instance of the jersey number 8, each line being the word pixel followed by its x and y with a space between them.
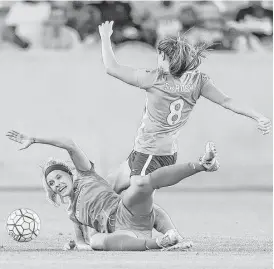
pixel 175 114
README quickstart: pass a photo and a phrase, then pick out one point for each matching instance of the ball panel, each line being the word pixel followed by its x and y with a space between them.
pixel 20 229
pixel 18 212
pixel 15 231
pixel 17 218
pixel 10 222
pixel 28 239
pixel 20 221
pixel 23 211
pixel 32 226
pixel 29 216
pixel 25 225
pixel 27 219
pixel 16 237
pixel 10 227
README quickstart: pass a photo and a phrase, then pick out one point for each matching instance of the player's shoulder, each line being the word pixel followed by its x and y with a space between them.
pixel 204 77
pixel 85 174
pixel 146 77
pixel 199 75
pixel 195 80
pixel 195 75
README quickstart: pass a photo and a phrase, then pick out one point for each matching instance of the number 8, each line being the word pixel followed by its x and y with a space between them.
pixel 175 112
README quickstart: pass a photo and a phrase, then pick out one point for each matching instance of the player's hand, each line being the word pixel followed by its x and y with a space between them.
pixel 25 140
pixel 70 246
pixel 105 29
pixel 264 125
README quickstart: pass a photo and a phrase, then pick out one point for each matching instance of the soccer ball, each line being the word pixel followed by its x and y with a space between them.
pixel 23 225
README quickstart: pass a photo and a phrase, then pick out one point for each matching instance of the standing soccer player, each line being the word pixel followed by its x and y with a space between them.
pixel 172 91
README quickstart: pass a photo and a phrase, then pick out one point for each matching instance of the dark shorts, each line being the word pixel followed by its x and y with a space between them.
pixel 143 164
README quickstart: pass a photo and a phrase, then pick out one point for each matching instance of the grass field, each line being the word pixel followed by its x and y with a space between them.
pixel 228 229
pixel 228 214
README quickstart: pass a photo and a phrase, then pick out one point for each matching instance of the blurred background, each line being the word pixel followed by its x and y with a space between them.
pixel 53 83
pixel 64 25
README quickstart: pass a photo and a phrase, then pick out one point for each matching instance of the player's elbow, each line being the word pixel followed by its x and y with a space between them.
pixel 227 103
pixel 70 144
pixel 111 68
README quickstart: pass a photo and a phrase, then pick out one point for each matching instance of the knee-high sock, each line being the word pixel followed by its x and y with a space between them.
pixel 173 174
pixel 118 242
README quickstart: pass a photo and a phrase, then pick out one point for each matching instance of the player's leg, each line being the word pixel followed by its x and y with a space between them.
pixel 124 240
pixel 168 176
pixel 137 164
pixel 163 222
pixel 120 178
pixel 141 165
pixel 136 211
pixel 138 197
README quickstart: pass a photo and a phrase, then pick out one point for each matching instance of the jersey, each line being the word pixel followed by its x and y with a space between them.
pixel 169 102
pixel 94 201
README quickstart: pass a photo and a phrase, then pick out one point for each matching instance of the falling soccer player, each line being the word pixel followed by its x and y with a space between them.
pixel 118 222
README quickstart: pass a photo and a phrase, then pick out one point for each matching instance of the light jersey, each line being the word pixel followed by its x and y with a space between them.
pixel 169 102
pixel 94 201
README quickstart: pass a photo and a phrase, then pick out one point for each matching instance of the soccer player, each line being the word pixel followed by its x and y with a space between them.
pixel 129 218
pixel 172 91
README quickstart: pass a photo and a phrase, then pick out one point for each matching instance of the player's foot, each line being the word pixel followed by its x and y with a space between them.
pixel 209 159
pixel 181 246
pixel 170 238
pixel 176 234
pixel 70 246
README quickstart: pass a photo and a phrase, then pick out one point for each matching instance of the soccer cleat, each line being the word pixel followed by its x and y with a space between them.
pixel 170 238
pixel 181 246
pixel 209 159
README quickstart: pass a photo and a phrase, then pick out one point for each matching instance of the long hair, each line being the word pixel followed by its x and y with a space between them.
pixel 182 55
pixel 51 195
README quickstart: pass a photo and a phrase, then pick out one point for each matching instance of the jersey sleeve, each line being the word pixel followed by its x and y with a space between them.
pixel 146 78
pixel 202 81
pixel 83 174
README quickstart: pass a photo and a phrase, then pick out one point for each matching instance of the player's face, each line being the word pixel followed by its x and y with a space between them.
pixel 60 182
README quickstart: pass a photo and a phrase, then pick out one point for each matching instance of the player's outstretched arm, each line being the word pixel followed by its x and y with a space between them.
pixel 210 92
pixel 125 73
pixel 78 157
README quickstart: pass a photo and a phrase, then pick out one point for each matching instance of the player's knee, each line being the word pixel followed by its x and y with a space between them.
pixel 141 182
